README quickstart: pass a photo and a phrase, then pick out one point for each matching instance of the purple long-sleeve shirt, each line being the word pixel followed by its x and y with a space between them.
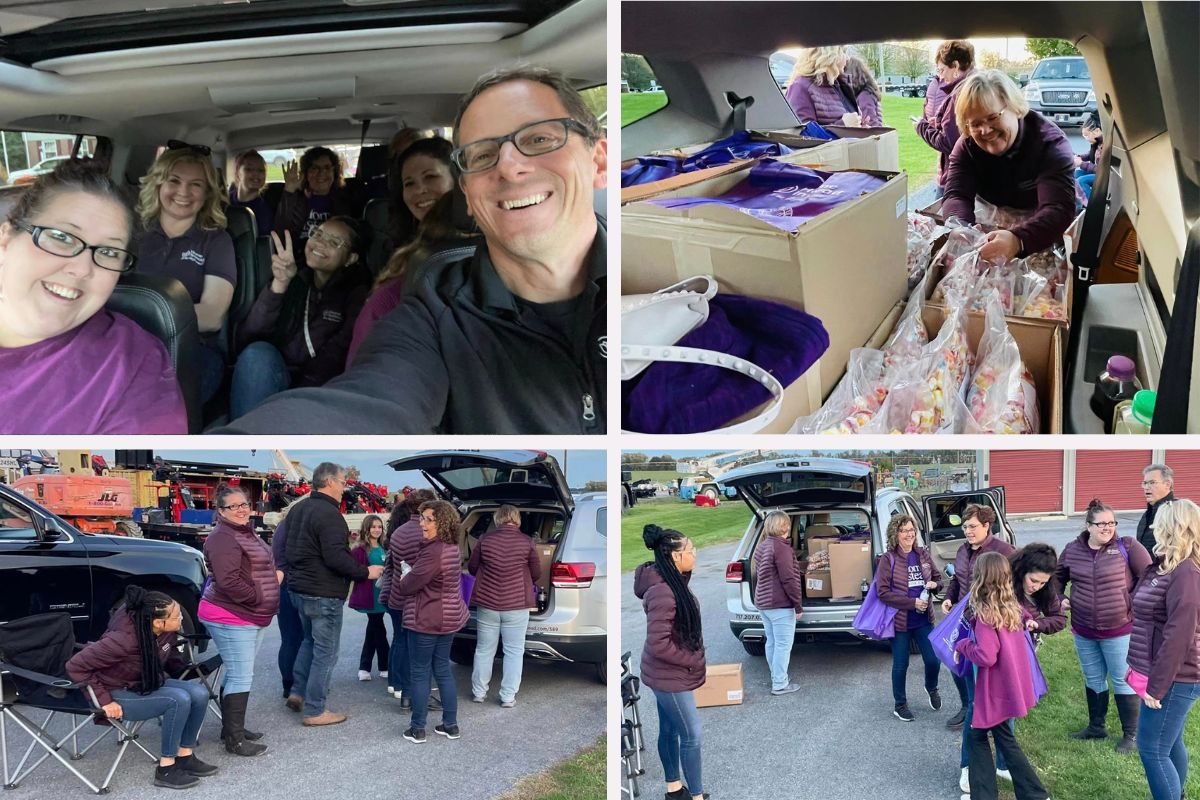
pixel 1036 174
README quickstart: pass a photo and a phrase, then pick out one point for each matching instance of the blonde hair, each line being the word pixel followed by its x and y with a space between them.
pixel 818 63
pixel 992 596
pixel 1177 534
pixel 777 523
pixel 506 515
pixel 211 215
pixel 986 89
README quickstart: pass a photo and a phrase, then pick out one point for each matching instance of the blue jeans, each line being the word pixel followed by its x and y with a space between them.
pixel 779 625
pixel 1001 761
pixel 291 634
pixel 398 669
pixel 238 645
pixel 260 372
pixel 1160 741
pixel 321 619
pixel 181 704
pixel 680 737
pixel 489 627
pixel 1085 183
pixel 1101 659
pixel 211 369
pixel 900 661
pixel 431 652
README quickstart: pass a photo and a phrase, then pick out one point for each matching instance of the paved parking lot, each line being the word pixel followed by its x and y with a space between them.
pixel 560 711
pixel 836 738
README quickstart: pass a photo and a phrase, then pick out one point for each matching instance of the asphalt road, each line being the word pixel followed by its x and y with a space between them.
pixel 560 710
pixel 836 738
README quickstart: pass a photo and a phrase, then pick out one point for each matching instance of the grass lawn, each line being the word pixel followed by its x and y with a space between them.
pixel 642 104
pixel 1090 769
pixel 581 777
pixel 704 526
pixel 917 158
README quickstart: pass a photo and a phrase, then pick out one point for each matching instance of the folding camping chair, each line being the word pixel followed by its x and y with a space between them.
pixel 632 743
pixel 210 672
pixel 45 642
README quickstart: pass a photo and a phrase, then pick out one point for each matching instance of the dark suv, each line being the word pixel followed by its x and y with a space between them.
pixel 47 565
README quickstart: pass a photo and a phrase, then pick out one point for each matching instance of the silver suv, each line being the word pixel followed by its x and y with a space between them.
pixel 569 531
pixel 1060 88
pixel 829 497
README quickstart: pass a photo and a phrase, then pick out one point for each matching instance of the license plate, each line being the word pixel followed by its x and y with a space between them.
pixel 1060 117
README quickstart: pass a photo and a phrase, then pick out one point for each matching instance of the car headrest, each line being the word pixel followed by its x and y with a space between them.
pixel 458 211
pixel 372 162
pixel 162 306
pixel 820 519
pixel 240 221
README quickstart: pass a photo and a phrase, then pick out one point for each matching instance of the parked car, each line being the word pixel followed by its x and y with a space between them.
pixel 21 177
pixel 1061 89
pixel 836 498
pixel 48 565
pixel 570 532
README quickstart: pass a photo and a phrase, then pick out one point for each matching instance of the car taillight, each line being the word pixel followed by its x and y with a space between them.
pixel 572 575
pixel 734 572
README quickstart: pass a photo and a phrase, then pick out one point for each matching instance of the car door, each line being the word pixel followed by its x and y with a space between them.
pixel 943 536
pixel 43 568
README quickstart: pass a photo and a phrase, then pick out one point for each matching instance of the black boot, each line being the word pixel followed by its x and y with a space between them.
pixel 252 736
pixel 233 711
pixel 287 688
pixel 1097 703
pixel 1127 710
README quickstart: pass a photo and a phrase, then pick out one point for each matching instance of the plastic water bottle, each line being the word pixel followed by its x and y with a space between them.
pixel 1136 415
pixel 924 598
pixel 1118 382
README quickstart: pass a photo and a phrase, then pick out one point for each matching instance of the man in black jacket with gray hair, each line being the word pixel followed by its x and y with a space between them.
pixel 1158 485
pixel 320 569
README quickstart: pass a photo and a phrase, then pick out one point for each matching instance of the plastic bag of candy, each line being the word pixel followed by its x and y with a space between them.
pixel 909 336
pixel 958 284
pixel 922 231
pixel 854 401
pixel 993 216
pixel 1001 396
pixel 961 240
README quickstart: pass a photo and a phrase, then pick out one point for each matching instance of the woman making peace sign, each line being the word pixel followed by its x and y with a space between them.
pixel 300 326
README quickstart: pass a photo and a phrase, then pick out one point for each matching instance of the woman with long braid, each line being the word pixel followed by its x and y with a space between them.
pixel 127 671
pixel 673 656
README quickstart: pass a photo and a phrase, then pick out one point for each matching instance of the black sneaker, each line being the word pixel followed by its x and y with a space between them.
pixel 935 700
pixel 194 766
pixel 415 735
pixel 449 731
pixel 173 777
pixel 957 720
pixel 902 713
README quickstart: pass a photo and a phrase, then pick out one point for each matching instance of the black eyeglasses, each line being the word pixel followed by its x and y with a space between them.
pixel 177 144
pixel 535 139
pixel 68 245
pixel 236 507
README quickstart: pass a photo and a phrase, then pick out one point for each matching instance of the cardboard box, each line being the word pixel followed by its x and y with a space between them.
pixel 849 565
pixel 816 544
pixel 870 148
pixel 545 554
pixel 817 583
pixel 722 686
pixel 1040 346
pixel 845 267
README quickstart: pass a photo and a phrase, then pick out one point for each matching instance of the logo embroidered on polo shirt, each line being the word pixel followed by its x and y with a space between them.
pixel 332 316
pixel 602 343
pixel 193 256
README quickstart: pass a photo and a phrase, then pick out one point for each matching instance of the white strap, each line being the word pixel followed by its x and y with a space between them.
pixel 312 351
pixel 695 355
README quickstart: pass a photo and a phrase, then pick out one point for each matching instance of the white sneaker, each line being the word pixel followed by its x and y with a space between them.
pixel 965 797
pixel 964 782
pixel 383 673
pixel 1005 774
pixel 363 675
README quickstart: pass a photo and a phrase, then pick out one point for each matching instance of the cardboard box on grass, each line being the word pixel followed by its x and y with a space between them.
pixel 817 583
pixel 845 267
pixel 722 686
pixel 849 564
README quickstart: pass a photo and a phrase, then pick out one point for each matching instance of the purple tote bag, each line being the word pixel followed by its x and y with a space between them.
pixel 876 619
pixel 946 634
pixel 467 586
pixel 1035 669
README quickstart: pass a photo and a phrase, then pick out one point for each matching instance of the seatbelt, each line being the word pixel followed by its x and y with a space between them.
pixel 739 106
pixel 366 125
pixel 1175 374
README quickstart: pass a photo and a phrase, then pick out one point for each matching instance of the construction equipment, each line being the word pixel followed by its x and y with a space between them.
pixel 92 503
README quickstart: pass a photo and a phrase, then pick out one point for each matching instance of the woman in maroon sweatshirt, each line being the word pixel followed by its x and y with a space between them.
pixel 505 565
pixel 1164 649
pixel 433 613
pixel 1033 568
pixel 404 538
pixel 1102 570
pixel 673 656
pixel 127 671
pixel 778 596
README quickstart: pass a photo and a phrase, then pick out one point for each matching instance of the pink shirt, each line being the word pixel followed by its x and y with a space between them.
pixel 207 612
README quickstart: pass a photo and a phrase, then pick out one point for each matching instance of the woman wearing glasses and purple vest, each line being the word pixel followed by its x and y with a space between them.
pixel 1102 570
pixel 313 191
pixel 62 249
pixel 299 329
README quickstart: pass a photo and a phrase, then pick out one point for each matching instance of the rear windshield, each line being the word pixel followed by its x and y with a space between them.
pixel 1063 69
pixel 791 482
pixel 477 477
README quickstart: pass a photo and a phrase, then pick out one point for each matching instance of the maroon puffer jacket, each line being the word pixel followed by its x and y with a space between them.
pixel 243 573
pixel 778 573
pixel 1050 623
pixel 403 546
pixel 891 583
pixel 1101 582
pixel 666 665
pixel 505 565
pixel 822 102
pixel 964 564
pixel 1165 643
pixel 435 586
pixel 115 662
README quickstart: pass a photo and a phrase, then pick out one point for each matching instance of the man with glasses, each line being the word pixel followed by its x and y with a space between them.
pixel 1158 484
pixel 513 338
pixel 320 569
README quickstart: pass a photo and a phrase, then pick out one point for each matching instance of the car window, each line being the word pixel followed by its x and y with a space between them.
pixel 641 95
pixel 28 154
pixel 15 522
pixel 596 98
pixel 602 521
pixel 1064 69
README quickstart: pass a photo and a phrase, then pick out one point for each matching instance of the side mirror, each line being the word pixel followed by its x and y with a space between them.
pixel 954 519
pixel 1023 78
pixel 50 530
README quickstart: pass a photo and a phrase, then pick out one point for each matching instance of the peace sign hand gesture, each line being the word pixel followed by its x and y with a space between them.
pixel 292 179
pixel 283 262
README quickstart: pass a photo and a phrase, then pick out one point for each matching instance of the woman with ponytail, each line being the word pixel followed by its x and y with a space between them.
pixel 127 670
pixel 673 656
